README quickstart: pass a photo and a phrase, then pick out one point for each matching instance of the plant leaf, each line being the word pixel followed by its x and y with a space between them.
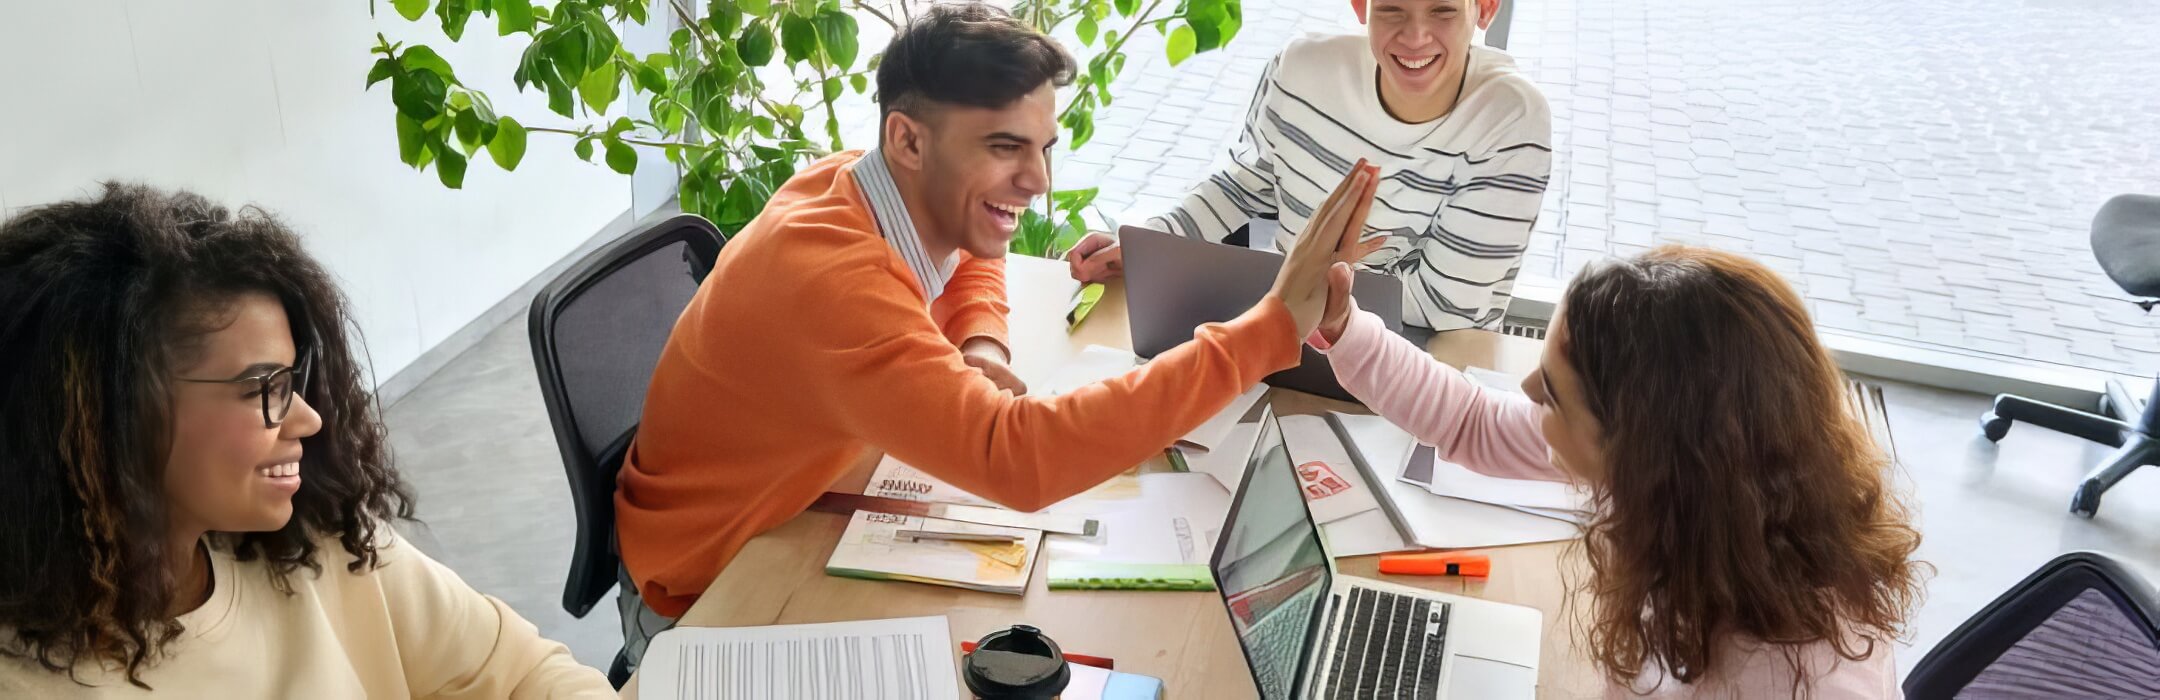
pixel 383 68
pixel 420 57
pixel 508 146
pixel 861 83
pixel 758 8
pixel 418 94
pixel 450 166
pixel 650 79
pixel 1125 8
pixel 1074 200
pixel 513 16
pixel 832 89
pixel 562 99
pixel 741 203
pixel 798 37
pixel 411 140
pixel 756 45
pixel 600 86
pixel 583 149
pixel 1086 30
pixel 411 10
pixel 454 14
pixel 837 31
pixel 723 18
pixel 621 156
pixel 1181 44
pixel 468 127
pixel 565 48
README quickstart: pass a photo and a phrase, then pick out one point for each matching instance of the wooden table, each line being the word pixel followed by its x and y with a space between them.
pixel 1183 638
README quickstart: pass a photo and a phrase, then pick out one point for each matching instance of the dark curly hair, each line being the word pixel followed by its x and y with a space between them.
pixel 96 298
pixel 1712 391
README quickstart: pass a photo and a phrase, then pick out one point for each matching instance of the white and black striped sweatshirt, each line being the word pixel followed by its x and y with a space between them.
pixel 1458 195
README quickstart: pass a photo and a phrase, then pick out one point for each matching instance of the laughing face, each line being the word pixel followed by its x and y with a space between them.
pixel 227 471
pixel 1422 47
pixel 981 168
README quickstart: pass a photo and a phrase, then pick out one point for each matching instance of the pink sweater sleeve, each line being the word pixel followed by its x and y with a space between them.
pixel 1491 432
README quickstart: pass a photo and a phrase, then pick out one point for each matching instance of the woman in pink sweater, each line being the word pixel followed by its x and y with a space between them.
pixel 1746 541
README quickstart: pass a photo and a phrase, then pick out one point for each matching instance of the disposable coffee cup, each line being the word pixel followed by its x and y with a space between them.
pixel 1016 664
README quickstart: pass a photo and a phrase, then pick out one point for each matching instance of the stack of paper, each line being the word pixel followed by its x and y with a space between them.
pixel 1552 499
pixel 872 548
pixel 1413 518
pixel 907 657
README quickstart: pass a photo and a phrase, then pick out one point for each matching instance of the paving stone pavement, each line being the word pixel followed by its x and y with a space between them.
pixel 1923 170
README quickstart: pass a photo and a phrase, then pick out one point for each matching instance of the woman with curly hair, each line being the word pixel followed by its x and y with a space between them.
pixel 197 487
pixel 1745 540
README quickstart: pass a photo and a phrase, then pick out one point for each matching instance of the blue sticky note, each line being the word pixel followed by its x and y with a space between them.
pixel 1128 686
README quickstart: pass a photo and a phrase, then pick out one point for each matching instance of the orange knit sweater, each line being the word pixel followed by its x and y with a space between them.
pixel 811 340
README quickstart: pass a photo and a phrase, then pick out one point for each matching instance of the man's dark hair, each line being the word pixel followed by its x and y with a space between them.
pixel 968 54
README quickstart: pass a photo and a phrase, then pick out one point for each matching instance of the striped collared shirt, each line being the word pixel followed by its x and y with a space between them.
pixel 898 228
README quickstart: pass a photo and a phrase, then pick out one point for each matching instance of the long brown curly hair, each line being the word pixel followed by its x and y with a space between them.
pixel 1744 495
pixel 96 296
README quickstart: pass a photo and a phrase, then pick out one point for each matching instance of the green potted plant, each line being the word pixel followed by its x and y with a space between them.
pixel 735 100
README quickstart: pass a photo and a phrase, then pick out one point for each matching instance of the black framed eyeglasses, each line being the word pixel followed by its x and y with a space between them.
pixel 275 389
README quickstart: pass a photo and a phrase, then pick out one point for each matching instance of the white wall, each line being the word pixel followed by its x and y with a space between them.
pixel 261 101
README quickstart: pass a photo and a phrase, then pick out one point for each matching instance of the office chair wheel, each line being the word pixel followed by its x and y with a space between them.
pixel 2086 503
pixel 1994 427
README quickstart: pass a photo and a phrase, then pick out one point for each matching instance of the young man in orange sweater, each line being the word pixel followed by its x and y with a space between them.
pixel 864 309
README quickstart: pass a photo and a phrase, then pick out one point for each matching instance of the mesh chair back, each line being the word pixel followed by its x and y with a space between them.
pixel 2083 626
pixel 597 332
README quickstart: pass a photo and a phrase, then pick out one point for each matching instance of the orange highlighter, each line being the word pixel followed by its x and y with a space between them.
pixel 1436 564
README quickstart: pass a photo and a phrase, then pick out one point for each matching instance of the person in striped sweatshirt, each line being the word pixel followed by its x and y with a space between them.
pixel 1463 141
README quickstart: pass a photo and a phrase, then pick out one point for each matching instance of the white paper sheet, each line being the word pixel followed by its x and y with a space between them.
pixel 895 479
pixel 1494 380
pixel 1332 485
pixel 1090 365
pixel 1541 497
pixel 1175 520
pixel 909 656
pixel 1215 433
pixel 1227 461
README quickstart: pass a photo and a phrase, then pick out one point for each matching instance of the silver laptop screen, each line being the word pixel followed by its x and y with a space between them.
pixel 1271 569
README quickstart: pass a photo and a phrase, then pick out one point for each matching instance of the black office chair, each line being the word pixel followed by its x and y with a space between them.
pixel 597 332
pixel 2126 239
pixel 2083 626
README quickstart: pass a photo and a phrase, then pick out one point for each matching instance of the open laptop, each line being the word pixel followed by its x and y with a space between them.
pixel 1310 633
pixel 1174 284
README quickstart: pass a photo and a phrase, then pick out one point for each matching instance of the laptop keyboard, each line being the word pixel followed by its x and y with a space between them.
pixel 1385 646
pixel 1276 642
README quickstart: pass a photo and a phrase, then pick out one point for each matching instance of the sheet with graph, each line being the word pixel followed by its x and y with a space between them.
pixel 896 659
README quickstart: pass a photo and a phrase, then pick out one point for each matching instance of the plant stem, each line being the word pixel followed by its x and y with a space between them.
pixel 588 132
pixel 880 15
pixel 682 14
pixel 1112 51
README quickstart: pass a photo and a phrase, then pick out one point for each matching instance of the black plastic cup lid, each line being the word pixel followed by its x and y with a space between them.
pixel 1016 664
